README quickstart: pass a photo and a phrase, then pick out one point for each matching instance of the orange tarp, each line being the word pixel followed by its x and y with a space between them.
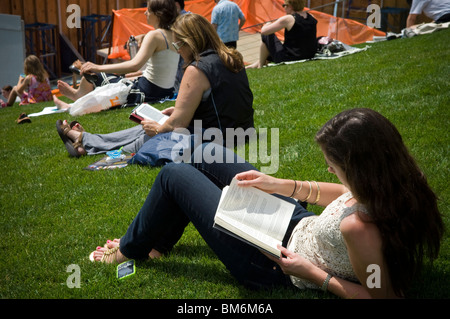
pixel 257 12
pixel 345 30
pixel 127 22
pixel 133 22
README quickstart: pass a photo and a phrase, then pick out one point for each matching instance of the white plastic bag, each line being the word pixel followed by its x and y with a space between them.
pixel 102 98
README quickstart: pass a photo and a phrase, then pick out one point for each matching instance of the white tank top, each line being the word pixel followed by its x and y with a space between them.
pixel 162 67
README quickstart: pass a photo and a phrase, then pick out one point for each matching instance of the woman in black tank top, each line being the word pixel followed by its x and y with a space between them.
pixel 299 36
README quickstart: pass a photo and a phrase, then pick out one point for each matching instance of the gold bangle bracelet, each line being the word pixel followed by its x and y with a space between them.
pixel 301 185
pixel 310 192
pixel 318 193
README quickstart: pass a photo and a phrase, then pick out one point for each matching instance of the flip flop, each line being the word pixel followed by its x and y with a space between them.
pixel 62 131
pixel 23 118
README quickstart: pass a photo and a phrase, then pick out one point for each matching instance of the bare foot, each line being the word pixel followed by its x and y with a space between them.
pixel 60 104
pixel 154 254
pixel 66 90
pixel 111 244
pixel 254 65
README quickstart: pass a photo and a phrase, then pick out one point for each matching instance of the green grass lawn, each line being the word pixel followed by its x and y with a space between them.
pixel 53 213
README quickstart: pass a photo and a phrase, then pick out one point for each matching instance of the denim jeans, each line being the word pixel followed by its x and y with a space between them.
pixel 184 193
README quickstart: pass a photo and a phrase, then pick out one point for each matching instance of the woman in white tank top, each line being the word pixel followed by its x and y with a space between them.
pixel 159 58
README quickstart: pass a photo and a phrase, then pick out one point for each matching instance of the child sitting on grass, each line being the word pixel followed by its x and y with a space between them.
pixel 34 87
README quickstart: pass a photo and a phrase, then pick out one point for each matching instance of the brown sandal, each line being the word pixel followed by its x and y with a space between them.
pixel 72 147
pixel 73 123
pixel 78 142
pixel 23 118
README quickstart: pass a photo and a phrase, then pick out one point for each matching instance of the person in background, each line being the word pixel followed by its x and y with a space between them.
pixel 33 86
pixel 437 10
pixel 156 53
pixel 212 71
pixel 106 78
pixel 228 19
pixel 180 71
pixel 6 91
pixel 180 7
pixel 300 40
pixel 382 214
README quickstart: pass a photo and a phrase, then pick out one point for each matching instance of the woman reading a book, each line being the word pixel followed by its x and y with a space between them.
pixel 214 89
pixel 370 240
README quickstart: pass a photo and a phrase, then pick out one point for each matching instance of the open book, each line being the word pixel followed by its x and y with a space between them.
pixel 146 111
pixel 253 216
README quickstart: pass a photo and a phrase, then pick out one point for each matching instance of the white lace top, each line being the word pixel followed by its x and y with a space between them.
pixel 319 240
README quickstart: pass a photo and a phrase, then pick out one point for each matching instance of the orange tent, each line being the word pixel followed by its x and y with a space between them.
pixel 133 22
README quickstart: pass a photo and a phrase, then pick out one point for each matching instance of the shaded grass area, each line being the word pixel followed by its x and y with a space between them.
pixel 53 213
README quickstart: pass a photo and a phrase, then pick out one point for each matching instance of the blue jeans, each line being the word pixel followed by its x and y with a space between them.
pixel 184 193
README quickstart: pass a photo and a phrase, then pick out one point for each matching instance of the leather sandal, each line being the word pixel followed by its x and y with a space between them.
pixel 71 147
pixel 23 118
pixel 73 123
pixel 78 142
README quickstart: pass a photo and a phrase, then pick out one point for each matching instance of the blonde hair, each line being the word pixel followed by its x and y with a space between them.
pixel 198 33
pixel 32 65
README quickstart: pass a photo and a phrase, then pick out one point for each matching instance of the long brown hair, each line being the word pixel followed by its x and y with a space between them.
pixel 385 178
pixel 198 33
pixel 32 65
pixel 165 10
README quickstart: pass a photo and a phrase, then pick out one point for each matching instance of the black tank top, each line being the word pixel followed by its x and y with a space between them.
pixel 300 42
pixel 230 103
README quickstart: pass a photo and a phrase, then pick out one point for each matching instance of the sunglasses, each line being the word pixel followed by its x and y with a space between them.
pixel 177 45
